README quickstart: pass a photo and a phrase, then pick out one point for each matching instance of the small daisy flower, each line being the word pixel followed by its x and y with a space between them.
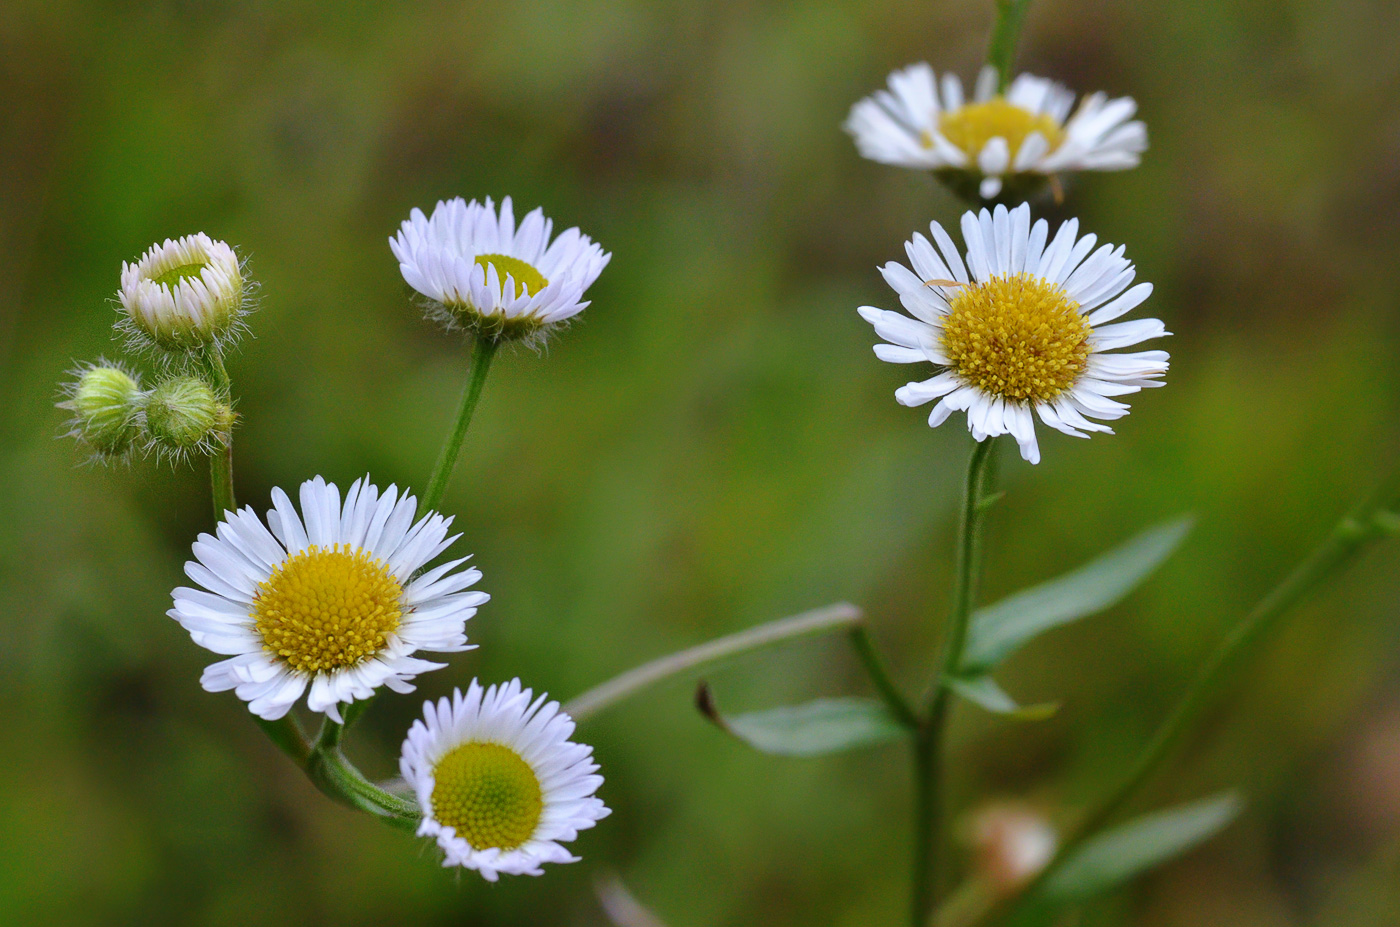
pixel 1031 132
pixel 1023 327
pixel 326 599
pixel 182 295
pixel 479 271
pixel 500 784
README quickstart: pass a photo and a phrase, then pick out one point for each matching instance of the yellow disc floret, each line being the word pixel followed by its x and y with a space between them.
pixel 488 794
pixel 971 127
pixel 528 281
pixel 1019 337
pixel 327 608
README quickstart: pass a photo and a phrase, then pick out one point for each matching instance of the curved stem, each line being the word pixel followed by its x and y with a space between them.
pixel 482 352
pixel 1363 526
pixel 1011 15
pixel 929 821
pixel 880 677
pixel 338 778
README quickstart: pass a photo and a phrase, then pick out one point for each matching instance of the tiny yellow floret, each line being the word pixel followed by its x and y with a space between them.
pixel 328 608
pixel 488 794
pixel 1019 337
pixel 971 127
pixel 528 281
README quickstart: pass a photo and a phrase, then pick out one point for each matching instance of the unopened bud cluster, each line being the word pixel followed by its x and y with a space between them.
pixel 184 300
pixel 114 416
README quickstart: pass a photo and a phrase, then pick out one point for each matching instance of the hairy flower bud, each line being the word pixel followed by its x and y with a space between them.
pixel 184 414
pixel 182 295
pixel 106 404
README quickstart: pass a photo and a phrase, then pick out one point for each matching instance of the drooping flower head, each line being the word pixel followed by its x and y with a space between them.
pixel 327 599
pixel 1022 327
pixel 480 272
pixel 1014 140
pixel 500 784
pixel 183 295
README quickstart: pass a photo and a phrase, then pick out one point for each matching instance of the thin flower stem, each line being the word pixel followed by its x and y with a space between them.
pixel 285 732
pixel 880 677
pixel 1011 15
pixel 819 621
pixel 482 352
pixel 338 778
pixel 221 460
pixel 1353 534
pixel 929 823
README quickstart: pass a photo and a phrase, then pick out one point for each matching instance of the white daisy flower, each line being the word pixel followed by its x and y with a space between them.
pixel 183 294
pixel 480 271
pixel 1022 327
pixel 500 784
pixel 1026 134
pixel 326 599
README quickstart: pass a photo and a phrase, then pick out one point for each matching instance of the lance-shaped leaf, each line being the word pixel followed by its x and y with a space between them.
pixel 1115 856
pixel 828 725
pixel 984 692
pixel 999 630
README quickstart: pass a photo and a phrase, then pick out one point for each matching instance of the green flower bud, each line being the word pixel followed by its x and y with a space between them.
pixel 184 413
pixel 106 402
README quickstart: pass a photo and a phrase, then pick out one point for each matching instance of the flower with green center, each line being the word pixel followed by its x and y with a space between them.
pixel 500 784
pixel 997 144
pixel 479 271
pixel 106 403
pixel 1021 328
pixel 333 599
pixel 183 295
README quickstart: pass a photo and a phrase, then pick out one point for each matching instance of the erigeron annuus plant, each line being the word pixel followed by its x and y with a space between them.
pixel 317 604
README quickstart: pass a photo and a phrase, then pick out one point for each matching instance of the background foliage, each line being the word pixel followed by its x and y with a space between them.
pixel 712 446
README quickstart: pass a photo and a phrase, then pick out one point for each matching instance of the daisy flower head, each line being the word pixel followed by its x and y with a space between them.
pixel 328 600
pixel 500 784
pixel 996 143
pixel 478 270
pixel 1024 326
pixel 183 295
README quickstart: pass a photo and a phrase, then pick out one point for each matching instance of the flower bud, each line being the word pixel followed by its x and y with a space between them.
pixel 106 402
pixel 184 413
pixel 182 295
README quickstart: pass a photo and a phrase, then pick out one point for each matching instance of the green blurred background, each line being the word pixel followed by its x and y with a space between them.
pixel 712 446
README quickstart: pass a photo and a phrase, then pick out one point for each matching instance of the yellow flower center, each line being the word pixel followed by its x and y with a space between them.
pixel 488 794
pixel 971 127
pixel 1019 337
pixel 327 608
pixel 527 280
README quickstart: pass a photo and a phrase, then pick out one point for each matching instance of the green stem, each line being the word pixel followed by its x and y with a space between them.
pixel 1011 15
pixel 1365 525
pixel 482 352
pixel 338 778
pixel 221 460
pixel 929 824
pixel 285 732
pixel 880 677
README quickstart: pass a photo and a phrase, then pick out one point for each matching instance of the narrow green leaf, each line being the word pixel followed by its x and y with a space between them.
pixel 984 692
pixel 999 630
pixel 828 725
pixel 1117 855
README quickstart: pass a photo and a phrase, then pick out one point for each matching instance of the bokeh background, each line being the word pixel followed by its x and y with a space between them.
pixel 712 446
